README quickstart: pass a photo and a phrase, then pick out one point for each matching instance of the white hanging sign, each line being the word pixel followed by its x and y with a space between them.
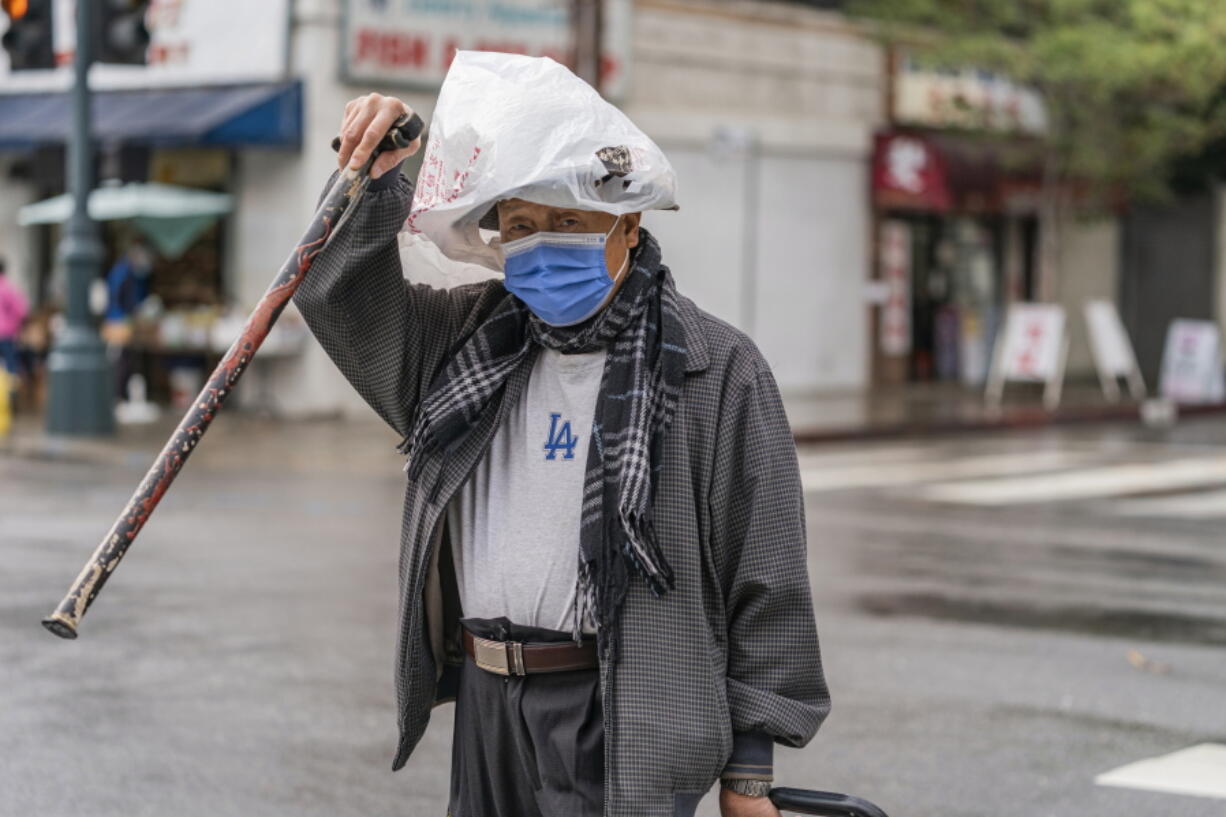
pixel 412 42
pixel 895 260
pixel 192 42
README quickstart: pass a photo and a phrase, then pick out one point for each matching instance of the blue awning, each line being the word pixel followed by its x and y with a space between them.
pixel 225 116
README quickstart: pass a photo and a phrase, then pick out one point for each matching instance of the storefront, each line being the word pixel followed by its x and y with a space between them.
pixel 167 135
pixel 775 229
pixel 956 224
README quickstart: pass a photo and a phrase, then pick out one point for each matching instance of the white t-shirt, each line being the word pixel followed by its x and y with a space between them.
pixel 514 524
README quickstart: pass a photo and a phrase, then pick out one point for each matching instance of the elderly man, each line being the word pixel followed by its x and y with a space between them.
pixel 603 554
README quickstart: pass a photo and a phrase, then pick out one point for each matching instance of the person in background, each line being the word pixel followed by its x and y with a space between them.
pixel 13 310
pixel 127 286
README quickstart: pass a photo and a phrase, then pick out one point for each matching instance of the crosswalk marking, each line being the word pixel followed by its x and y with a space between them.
pixel 1196 505
pixel 1198 770
pixel 1130 478
pixel 834 457
pixel 881 475
pixel 1082 483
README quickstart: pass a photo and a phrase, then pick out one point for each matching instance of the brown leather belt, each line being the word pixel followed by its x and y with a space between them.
pixel 518 658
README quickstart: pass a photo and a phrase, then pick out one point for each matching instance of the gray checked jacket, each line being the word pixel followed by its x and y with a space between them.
pixel 732 650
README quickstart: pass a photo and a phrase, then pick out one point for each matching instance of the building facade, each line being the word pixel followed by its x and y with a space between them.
pixel 783 121
pixel 766 110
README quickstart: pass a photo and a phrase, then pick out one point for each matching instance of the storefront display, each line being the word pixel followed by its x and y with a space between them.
pixel 957 202
pixel 168 136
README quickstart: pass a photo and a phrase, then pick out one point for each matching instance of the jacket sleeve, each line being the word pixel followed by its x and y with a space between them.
pixel 776 688
pixel 387 336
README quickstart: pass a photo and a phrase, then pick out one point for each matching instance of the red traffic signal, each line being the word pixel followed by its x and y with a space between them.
pixel 15 9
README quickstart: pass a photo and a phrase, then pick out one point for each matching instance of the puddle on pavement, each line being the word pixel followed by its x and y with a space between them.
pixel 1139 624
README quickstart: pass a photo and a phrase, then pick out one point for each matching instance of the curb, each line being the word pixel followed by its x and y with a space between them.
pixel 30 442
pixel 1027 418
pixel 37 445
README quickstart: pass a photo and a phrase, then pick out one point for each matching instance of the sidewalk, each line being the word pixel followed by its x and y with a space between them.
pixel 916 410
pixel 267 443
pixel 131 444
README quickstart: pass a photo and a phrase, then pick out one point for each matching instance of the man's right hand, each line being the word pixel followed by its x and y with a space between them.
pixel 367 120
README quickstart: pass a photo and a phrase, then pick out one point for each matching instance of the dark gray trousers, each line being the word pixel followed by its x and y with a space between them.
pixel 526 746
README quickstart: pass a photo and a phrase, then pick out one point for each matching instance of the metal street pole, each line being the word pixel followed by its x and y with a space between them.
pixel 587 23
pixel 81 386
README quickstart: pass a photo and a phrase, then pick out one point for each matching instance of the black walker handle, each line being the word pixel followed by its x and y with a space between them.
pixel 823 803
pixel 402 134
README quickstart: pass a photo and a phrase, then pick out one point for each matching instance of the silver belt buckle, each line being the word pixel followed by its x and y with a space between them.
pixel 499 657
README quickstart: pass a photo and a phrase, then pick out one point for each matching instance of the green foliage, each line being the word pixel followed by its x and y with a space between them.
pixel 1130 86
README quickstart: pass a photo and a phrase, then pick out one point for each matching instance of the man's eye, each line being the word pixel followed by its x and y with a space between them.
pixel 569 223
pixel 520 227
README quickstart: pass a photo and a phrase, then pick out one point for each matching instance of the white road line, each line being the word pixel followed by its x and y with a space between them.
pixel 1199 505
pixel 815 456
pixel 906 473
pixel 988 532
pixel 1085 483
pixel 1198 770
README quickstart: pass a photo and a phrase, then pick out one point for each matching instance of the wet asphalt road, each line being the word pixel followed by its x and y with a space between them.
pixel 985 659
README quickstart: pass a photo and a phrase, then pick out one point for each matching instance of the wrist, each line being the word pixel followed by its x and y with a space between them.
pixel 387 180
pixel 746 787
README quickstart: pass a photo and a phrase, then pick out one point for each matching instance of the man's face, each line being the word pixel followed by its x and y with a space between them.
pixel 519 219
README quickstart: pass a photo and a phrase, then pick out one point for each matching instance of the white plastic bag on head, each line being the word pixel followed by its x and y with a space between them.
pixel 424 264
pixel 509 126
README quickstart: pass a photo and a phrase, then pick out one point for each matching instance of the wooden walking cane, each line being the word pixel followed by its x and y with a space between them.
pixel 331 214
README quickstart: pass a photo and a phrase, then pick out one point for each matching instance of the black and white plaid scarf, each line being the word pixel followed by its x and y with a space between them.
pixel 642 380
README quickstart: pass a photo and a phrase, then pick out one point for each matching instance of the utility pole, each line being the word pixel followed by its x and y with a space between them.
pixel 81 387
pixel 587 25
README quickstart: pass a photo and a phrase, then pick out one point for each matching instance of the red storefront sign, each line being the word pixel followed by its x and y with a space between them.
pixel 909 173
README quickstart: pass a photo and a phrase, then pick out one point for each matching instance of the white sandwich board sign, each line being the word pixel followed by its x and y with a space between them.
pixel 1192 363
pixel 1114 356
pixel 1032 348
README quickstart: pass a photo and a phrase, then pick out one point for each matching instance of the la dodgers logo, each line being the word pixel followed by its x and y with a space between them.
pixel 560 438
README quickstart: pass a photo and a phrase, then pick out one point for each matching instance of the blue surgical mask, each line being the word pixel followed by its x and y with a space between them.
pixel 562 277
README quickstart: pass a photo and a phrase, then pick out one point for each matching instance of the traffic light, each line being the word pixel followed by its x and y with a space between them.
pixel 120 33
pixel 28 39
